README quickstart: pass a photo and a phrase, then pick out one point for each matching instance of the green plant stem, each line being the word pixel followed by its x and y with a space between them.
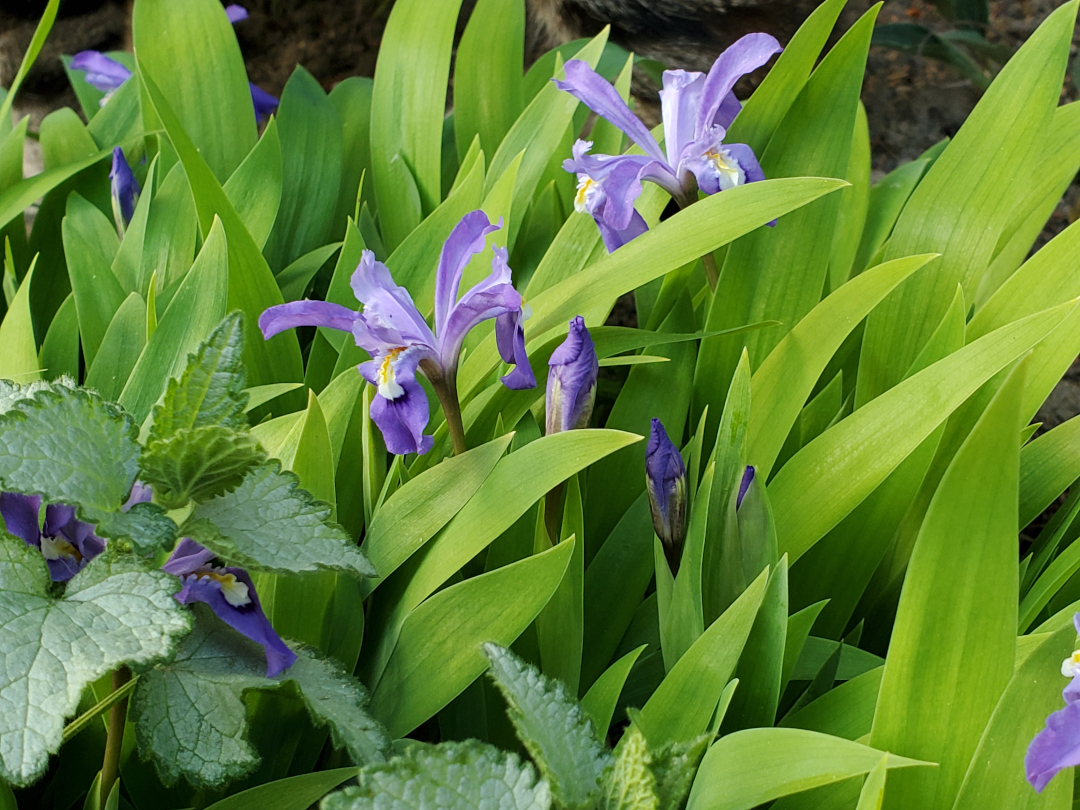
pixel 83 720
pixel 553 513
pixel 711 273
pixel 446 391
pixel 117 715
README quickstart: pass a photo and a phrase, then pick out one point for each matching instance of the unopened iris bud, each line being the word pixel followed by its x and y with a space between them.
pixel 744 485
pixel 571 385
pixel 125 190
pixel 665 479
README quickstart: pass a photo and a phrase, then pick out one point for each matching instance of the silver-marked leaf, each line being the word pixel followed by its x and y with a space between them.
pixel 555 730
pixel 452 776
pixel 271 524
pixel 114 612
pixel 191 719
pixel 71 446
pixel 199 463
pixel 11 393
pixel 675 764
pixel 211 389
pixel 145 526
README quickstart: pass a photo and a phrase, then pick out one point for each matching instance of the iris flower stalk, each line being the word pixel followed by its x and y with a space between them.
pixel 665 481
pixel 1057 746
pixel 571 393
pixel 391 329
pixel 697 110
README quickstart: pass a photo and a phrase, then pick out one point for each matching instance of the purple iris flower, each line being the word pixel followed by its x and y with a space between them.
pixel 66 544
pixel 236 13
pixel 1058 745
pixel 230 593
pixel 744 485
pixel 125 189
pixel 265 104
pixel 665 480
pixel 391 329
pixel 696 108
pixel 571 384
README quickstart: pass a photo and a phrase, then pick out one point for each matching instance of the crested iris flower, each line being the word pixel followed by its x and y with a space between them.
pixel 391 329
pixel 125 189
pixel 230 593
pixel 106 74
pixel 1058 745
pixel 66 544
pixel 744 485
pixel 665 480
pixel 696 108
pixel 571 384
pixel 236 13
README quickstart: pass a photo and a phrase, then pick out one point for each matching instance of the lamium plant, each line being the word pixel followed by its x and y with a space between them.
pixel 331 474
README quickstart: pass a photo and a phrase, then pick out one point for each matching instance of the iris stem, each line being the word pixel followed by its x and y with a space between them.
pixel 684 201
pixel 113 743
pixel 446 391
pixel 711 273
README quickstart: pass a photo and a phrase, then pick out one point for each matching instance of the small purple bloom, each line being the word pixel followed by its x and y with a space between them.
pixel 696 109
pixel 391 329
pixel 264 103
pixel 66 544
pixel 236 13
pixel 102 72
pixel 125 189
pixel 230 593
pixel 1058 745
pixel 571 384
pixel 665 480
pixel 744 485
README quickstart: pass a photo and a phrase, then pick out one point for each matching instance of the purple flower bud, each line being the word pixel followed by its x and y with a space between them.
pixel 236 13
pixel 125 189
pixel 571 385
pixel 66 544
pixel 264 103
pixel 230 593
pixel 665 479
pixel 1057 746
pixel 744 485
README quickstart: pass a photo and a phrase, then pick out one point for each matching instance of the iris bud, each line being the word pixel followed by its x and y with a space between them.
pixel 744 485
pixel 665 479
pixel 125 190
pixel 571 385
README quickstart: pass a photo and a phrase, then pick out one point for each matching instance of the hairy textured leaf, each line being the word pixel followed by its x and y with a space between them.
pixel 200 463
pixel 631 784
pixel 211 389
pixel 190 716
pixel 451 776
pixel 557 733
pixel 271 524
pixel 113 612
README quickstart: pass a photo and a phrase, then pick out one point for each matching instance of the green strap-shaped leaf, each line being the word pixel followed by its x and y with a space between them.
pixel 556 732
pixel 114 612
pixel 269 523
pixel 451 776
pixel 191 720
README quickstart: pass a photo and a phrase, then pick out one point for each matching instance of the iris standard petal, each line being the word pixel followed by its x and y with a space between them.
pixel 596 93
pixel 473 309
pixel 466 240
pixel 102 72
pixel 389 312
pixel 745 55
pixel 187 558
pixel 729 108
pixel 679 101
pixel 571 385
pixel 264 103
pixel 402 420
pixel 306 313
pixel 20 513
pixel 1055 747
pixel 236 13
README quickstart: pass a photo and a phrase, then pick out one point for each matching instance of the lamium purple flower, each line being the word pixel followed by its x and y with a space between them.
pixel 665 480
pixel 125 190
pixel 230 593
pixel 696 109
pixel 391 329
pixel 571 383
pixel 66 544
pixel 1058 745
pixel 744 485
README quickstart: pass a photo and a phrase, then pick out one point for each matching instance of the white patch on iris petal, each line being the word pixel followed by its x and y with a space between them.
pixel 235 592
pixel 57 548
pixel 1070 667
pixel 728 172
pixel 389 388
pixel 588 194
